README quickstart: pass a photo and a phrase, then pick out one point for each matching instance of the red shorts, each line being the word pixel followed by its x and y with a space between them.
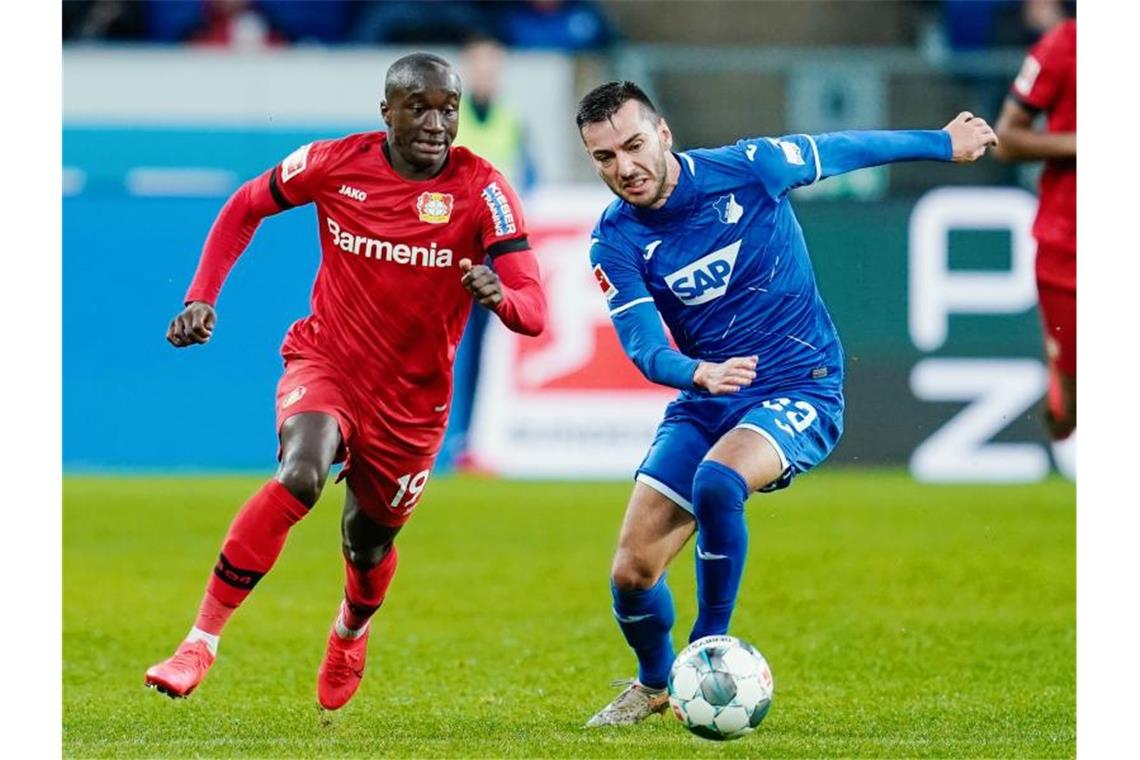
pixel 1059 324
pixel 386 477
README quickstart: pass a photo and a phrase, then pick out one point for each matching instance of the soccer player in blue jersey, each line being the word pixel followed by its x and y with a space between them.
pixel 707 241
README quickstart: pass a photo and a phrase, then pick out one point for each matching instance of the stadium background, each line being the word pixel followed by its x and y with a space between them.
pixel 903 617
pixel 147 165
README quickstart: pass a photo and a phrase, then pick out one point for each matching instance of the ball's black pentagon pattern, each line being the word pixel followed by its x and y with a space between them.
pixel 759 712
pixel 718 688
pixel 714 656
pixel 707 733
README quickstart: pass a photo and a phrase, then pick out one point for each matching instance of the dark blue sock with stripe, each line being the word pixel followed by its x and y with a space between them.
pixel 646 618
pixel 719 493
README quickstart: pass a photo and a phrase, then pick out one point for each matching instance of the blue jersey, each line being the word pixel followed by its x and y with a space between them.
pixel 724 262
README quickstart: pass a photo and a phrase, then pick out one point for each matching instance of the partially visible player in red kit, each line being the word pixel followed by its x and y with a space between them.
pixel 1047 84
pixel 401 217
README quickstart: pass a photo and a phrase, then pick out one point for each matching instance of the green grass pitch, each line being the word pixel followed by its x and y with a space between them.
pixel 900 620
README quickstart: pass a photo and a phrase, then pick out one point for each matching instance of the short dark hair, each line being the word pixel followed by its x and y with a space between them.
pixel 602 102
pixel 403 73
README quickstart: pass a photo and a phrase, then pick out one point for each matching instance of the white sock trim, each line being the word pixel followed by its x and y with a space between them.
pixel 197 634
pixel 344 631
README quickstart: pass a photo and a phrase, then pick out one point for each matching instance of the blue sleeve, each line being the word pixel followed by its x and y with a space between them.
pixel 797 160
pixel 637 321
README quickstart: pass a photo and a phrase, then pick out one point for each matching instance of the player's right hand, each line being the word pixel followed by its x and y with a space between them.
pixel 726 377
pixel 194 325
pixel 969 137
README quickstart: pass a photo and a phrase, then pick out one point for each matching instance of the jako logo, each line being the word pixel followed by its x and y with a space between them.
pixel 706 278
pixel 401 253
pixel 352 192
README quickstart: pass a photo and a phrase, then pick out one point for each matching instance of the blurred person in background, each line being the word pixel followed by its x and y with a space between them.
pixel 443 22
pixel 567 25
pixel 237 24
pixel 707 242
pixel 111 20
pixel 492 130
pixel 1046 87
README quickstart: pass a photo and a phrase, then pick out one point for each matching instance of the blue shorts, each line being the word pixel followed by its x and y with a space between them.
pixel 804 424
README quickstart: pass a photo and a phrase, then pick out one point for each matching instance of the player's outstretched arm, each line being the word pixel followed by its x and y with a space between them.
pixel 1019 141
pixel 195 324
pixel 228 238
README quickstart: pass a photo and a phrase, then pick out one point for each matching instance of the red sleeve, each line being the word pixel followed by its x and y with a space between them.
pixel 523 308
pixel 1042 74
pixel 292 182
pixel 230 234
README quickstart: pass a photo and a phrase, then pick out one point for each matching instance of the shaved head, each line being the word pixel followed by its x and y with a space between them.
pixel 409 72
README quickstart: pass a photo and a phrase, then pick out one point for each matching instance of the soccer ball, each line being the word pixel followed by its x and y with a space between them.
pixel 720 687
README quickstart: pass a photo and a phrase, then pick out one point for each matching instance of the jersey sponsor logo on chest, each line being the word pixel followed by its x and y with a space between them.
pixel 385 250
pixel 706 278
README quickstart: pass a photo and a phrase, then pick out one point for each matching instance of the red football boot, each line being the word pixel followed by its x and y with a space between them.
pixel 341 669
pixel 180 674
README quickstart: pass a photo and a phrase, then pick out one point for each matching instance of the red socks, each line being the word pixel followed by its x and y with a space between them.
pixel 364 590
pixel 255 539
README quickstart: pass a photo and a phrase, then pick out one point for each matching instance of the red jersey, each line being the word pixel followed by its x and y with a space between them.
pixel 387 306
pixel 1048 82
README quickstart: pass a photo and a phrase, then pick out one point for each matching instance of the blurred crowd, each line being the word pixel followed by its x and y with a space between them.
pixel 562 25
pixel 980 24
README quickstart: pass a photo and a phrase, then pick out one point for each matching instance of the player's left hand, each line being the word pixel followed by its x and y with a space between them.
pixel 969 137
pixel 482 282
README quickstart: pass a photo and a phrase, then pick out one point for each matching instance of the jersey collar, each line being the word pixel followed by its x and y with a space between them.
pixel 386 165
pixel 680 201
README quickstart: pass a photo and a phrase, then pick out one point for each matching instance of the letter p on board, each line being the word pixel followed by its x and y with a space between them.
pixel 935 290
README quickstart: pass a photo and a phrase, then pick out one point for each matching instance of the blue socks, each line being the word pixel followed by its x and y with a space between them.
pixel 722 545
pixel 646 618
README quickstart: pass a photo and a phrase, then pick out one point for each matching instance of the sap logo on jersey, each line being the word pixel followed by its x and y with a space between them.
pixel 400 253
pixel 706 278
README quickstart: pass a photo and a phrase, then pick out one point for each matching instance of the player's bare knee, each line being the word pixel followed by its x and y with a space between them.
pixel 303 478
pixel 363 556
pixel 631 573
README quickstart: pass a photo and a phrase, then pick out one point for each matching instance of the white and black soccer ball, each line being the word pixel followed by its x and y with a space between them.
pixel 720 687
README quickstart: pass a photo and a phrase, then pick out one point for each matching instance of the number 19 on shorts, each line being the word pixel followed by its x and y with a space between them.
pixel 411 488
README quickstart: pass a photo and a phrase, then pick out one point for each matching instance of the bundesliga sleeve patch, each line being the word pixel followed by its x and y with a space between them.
pixel 295 163
pixel 1027 77
pixel 501 213
pixel 608 289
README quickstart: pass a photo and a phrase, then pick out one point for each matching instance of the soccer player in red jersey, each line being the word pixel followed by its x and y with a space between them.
pixel 1047 83
pixel 401 217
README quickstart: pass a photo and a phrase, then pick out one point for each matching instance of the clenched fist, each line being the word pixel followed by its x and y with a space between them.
pixel 482 282
pixel 194 325
pixel 969 137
